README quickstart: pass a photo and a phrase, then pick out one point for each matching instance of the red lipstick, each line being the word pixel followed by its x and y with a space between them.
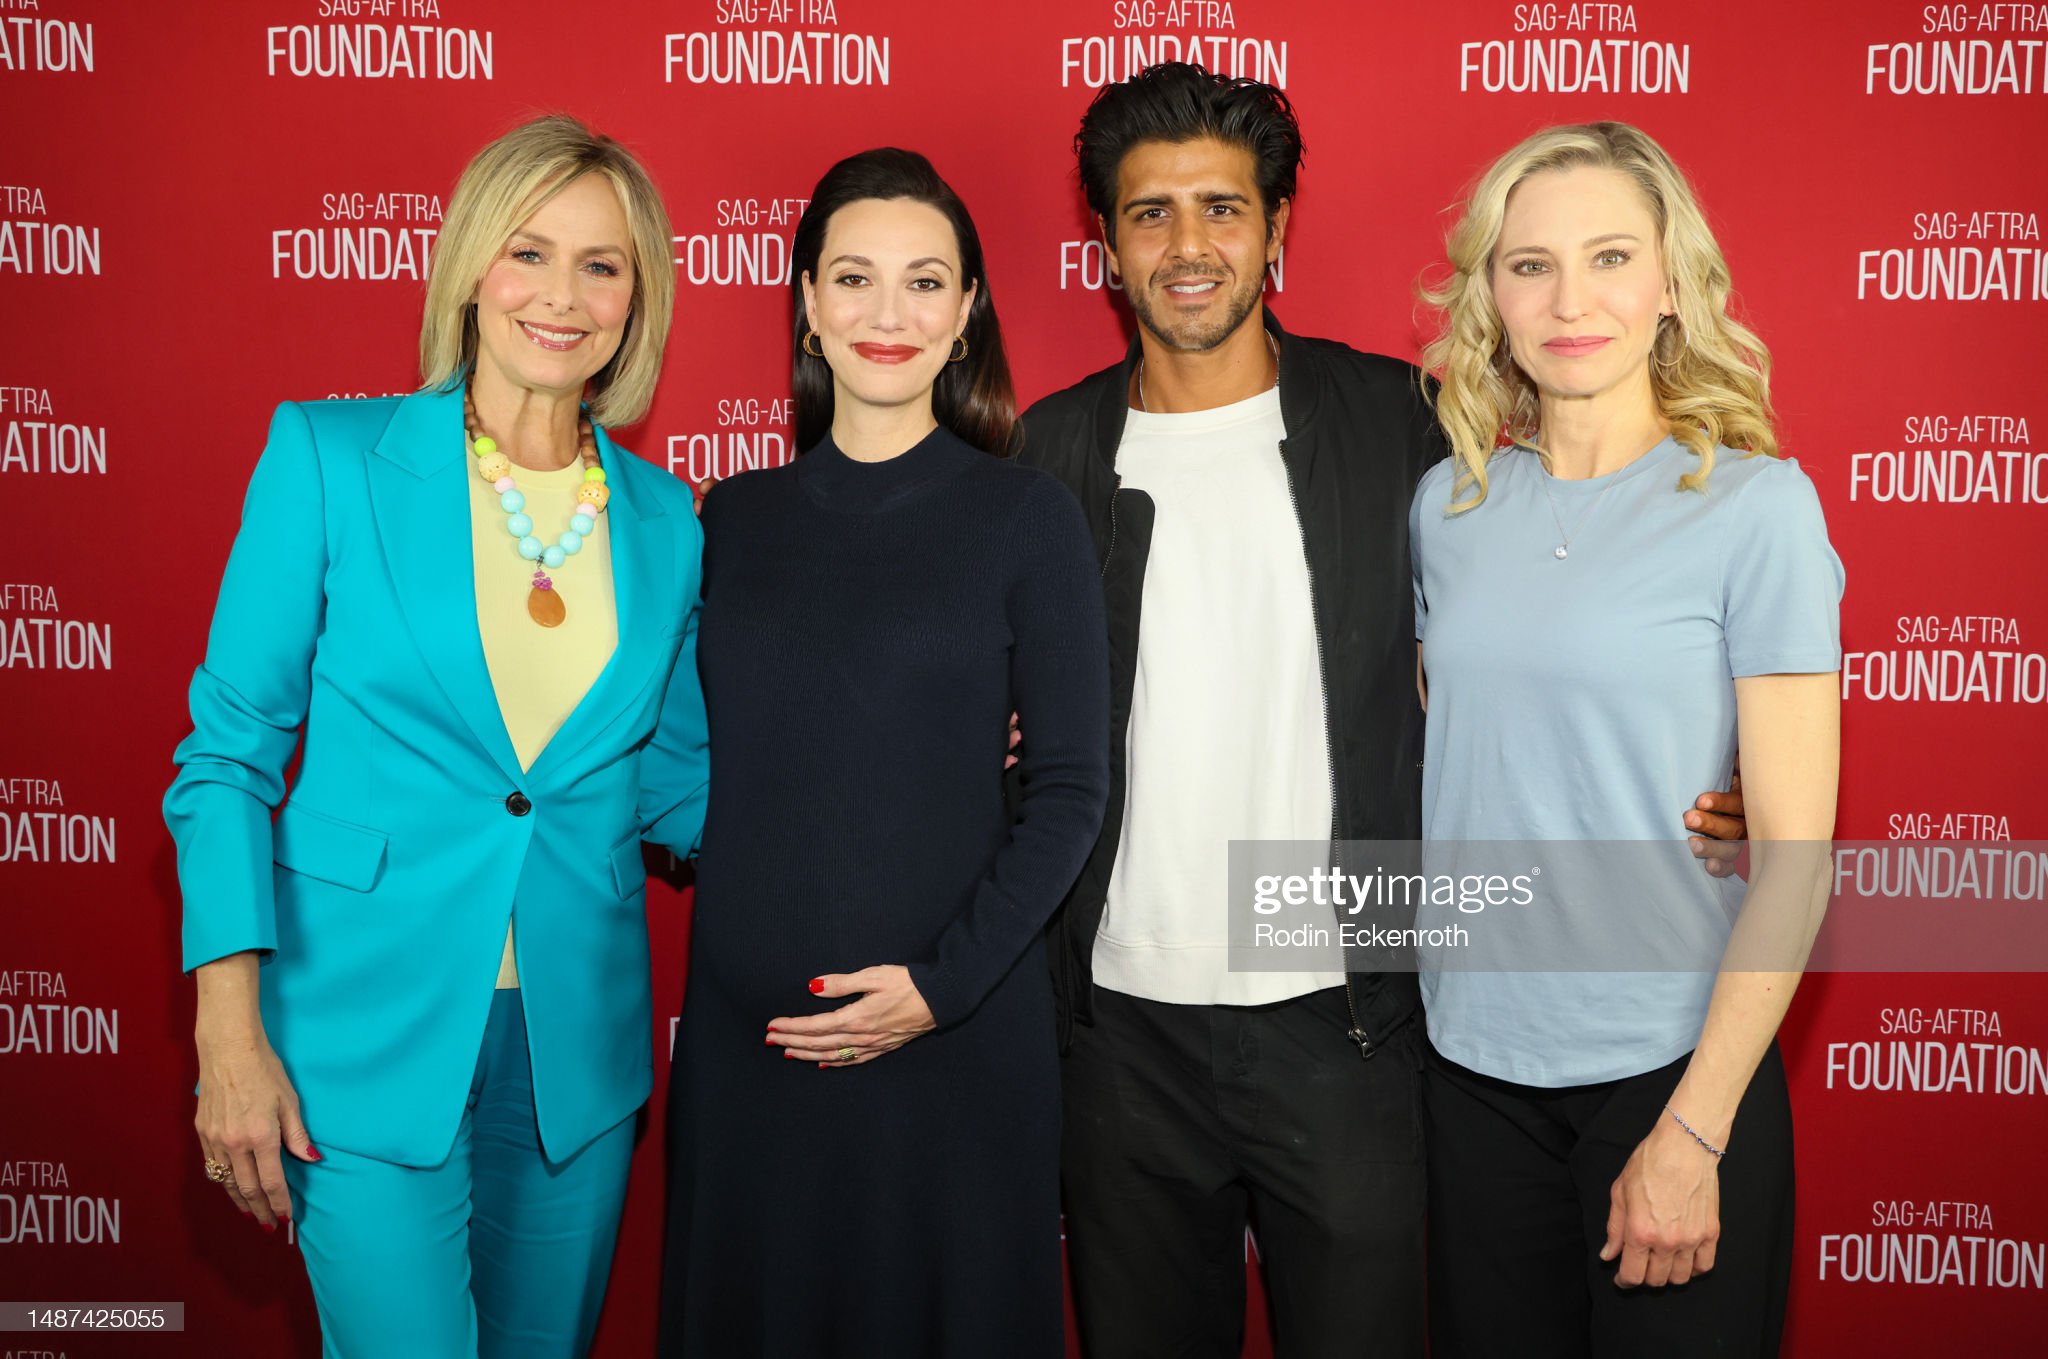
pixel 887 353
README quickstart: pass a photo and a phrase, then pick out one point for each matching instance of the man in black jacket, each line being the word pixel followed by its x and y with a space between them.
pixel 1249 493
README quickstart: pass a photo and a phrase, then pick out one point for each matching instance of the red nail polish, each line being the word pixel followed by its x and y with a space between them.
pixel 313 1153
pixel 769 1041
pixel 817 986
pixel 787 1053
pixel 269 1226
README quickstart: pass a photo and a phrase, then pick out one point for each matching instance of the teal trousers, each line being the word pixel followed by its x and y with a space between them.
pixel 496 1253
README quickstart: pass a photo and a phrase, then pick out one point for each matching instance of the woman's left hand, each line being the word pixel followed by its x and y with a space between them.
pixel 1664 1211
pixel 888 1014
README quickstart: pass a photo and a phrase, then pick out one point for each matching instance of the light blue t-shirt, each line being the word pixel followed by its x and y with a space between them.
pixel 1592 698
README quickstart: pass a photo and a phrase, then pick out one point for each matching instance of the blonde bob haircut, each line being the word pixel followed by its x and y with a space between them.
pixel 1709 373
pixel 503 186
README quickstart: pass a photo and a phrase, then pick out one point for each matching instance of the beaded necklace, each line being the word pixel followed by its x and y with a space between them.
pixel 544 602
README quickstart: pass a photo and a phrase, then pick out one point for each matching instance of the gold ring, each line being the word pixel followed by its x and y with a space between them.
pixel 847 1054
pixel 217 1171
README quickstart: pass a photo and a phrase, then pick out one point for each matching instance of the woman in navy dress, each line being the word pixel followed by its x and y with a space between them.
pixel 865 1110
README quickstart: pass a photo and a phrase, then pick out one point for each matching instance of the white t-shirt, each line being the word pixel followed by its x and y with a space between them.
pixel 1227 737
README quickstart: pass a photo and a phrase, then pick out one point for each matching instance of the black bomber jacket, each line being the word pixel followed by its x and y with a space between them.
pixel 1360 434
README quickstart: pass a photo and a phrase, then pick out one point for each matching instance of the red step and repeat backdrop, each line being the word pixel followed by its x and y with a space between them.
pixel 206 208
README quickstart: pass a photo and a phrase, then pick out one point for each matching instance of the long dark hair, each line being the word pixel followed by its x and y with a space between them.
pixel 973 398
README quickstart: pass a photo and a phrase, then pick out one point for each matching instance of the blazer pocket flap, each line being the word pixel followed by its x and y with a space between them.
pixel 629 868
pixel 333 851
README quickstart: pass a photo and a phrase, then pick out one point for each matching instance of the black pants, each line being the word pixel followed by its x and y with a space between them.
pixel 1186 1122
pixel 1518 1197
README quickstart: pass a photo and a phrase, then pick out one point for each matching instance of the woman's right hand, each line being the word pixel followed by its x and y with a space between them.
pixel 247 1107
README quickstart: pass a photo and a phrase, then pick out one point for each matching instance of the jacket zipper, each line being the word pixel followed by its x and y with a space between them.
pixel 1110 551
pixel 1356 1033
pixel 1107 553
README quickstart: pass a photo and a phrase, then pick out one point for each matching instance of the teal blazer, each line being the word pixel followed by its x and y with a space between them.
pixel 379 895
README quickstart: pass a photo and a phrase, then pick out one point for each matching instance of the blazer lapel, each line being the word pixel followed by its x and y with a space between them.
pixel 419 493
pixel 643 565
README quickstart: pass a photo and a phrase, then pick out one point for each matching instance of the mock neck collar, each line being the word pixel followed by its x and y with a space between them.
pixel 839 482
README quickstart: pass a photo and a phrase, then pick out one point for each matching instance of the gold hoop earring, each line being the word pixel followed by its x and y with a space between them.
pixel 961 352
pixel 805 345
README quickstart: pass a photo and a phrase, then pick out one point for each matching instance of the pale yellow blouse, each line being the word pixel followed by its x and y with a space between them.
pixel 540 674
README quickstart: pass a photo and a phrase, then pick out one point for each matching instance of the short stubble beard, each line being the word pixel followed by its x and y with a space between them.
pixel 1197 336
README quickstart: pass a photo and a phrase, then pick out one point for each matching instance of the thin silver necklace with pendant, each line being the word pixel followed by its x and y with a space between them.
pixel 1564 543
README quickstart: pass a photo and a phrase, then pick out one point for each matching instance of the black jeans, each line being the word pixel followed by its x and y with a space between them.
pixel 1518 1198
pixel 1186 1123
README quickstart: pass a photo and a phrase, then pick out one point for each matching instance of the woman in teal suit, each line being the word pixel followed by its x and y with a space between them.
pixel 482 613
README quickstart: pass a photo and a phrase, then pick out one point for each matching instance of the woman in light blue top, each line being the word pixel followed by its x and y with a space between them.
pixel 424 1016
pixel 1605 599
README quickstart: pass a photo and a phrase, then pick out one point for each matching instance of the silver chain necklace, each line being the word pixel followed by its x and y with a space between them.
pixel 1271 343
pixel 1565 539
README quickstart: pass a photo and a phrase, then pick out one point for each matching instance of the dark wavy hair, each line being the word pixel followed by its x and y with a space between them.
pixel 1176 102
pixel 974 398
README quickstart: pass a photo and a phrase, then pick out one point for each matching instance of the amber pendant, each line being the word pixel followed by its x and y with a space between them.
pixel 544 602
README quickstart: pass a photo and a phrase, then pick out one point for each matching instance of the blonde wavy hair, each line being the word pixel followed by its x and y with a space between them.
pixel 503 186
pixel 1710 373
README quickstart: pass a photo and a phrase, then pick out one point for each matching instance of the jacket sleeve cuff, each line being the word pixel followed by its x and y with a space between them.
pixel 224 873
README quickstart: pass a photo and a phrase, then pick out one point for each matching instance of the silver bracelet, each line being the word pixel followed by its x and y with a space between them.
pixel 1718 1153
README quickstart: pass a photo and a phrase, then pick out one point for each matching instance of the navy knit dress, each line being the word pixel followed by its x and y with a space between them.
pixel 867 630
